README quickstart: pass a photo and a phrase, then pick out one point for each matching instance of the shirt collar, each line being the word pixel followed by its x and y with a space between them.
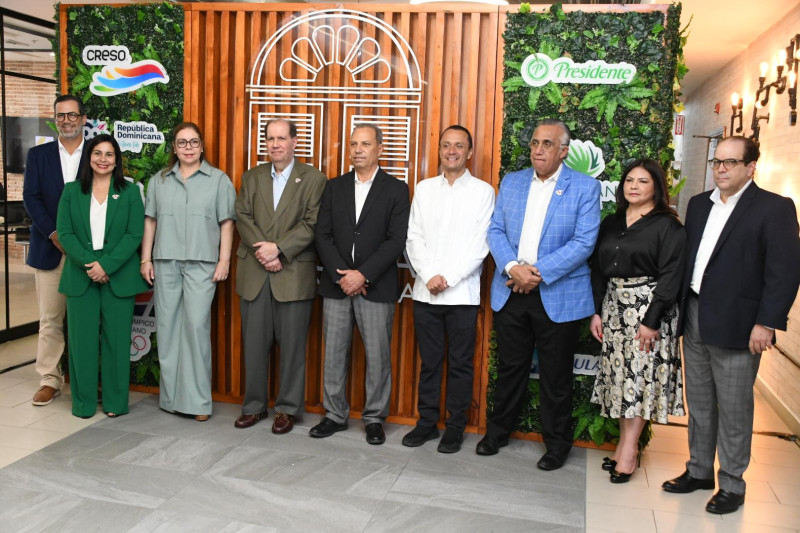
pixel 205 168
pixel 78 150
pixel 716 198
pixel 357 181
pixel 286 171
pixel 551 179
pixel 463 178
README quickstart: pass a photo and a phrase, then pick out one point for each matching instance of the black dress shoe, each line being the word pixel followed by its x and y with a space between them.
pixel 724 502
pixel 619 477
pixel 490 446
pixel 451 441
pixel 550 461
pixel 375 434
pixel 608 464
pixel 685 483
pixel 326 428
pixel 420 435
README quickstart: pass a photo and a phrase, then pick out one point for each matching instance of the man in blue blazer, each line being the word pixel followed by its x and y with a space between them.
pixel 48 168
pixel 741 278
pixel 543 230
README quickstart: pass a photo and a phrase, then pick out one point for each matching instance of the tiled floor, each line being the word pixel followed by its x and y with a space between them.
pixel 173 474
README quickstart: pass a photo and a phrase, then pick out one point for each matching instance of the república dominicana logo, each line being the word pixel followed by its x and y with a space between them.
pixel 539 69
pixel 119 75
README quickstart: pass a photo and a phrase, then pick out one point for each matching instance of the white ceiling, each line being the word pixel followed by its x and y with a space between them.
pixel 719 30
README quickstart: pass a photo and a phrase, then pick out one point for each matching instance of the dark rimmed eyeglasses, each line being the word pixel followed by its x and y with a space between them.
pixel 183 143
pixel 727 163
pixel 72 117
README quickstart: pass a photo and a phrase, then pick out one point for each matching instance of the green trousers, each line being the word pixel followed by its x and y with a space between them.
pixel 99 327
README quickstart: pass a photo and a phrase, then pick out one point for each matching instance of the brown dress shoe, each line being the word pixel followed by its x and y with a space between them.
pixel 283 423
pixel 201 418
pixel 246 421
pixel 45 395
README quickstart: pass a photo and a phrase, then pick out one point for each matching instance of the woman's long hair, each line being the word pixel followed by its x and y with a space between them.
pixel 86 174
pixel 660 190
pixel 173 155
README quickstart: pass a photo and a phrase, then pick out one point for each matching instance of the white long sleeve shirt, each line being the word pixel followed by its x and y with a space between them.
pixel 447 236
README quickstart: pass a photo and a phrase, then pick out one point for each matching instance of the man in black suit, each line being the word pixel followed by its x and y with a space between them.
pixel 741 278
pixel 361 231
pixel 48 168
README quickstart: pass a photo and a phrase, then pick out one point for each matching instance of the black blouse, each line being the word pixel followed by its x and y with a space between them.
pixel 653 246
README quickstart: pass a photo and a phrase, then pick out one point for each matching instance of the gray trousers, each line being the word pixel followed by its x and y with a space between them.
pixel 265 320
pixel 719 394
pixel 374 321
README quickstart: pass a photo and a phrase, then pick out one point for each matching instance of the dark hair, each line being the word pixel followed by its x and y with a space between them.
pixel 660 192
pixel 292 126
pixel 173 155
pixel 751 151
pixel 86 174
pixel 70 98
pixel 373 127
pixel 457 128
pixel 561 124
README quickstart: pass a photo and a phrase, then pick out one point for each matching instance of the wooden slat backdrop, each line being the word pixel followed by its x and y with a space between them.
pixel 458 52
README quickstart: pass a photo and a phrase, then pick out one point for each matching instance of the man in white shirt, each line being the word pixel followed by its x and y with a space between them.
pixel 49 166
pixel 740 281
pixel 446 245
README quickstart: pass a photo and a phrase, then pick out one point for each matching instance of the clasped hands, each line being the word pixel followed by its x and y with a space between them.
pixel 523 278
pixel 96 272
pixel 352 282
pixel 267 254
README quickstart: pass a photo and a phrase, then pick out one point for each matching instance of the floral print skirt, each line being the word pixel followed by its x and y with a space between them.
pixel 632 382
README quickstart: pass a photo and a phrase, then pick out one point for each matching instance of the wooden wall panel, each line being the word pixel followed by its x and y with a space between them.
pixel 457 50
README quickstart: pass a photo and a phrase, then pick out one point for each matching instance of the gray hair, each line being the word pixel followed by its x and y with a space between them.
pixel 373 127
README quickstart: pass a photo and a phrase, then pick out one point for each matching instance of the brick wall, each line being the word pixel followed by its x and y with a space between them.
pixel 25 98
pixel 778 171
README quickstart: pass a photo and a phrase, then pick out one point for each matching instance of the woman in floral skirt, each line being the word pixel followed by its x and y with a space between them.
pixel 637 267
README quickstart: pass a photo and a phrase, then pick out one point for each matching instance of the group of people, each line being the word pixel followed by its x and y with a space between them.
pixel 724 282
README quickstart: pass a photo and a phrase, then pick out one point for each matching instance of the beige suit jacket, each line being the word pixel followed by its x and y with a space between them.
pixel 290 226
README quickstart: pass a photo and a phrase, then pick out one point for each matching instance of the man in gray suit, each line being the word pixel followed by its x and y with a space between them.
pixel 276 212
pixel 362 228
pixel 740 281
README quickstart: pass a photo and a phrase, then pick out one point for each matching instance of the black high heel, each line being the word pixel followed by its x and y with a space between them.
pixel 619 477
pixel 608 464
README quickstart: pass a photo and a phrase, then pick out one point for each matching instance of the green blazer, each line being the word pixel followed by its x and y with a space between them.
pixel 124 230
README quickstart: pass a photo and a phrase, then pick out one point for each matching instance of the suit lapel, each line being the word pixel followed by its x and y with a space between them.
pixel 350 198
pixel 85 206
pixel 374 191
pixel 111 206
pixel 562 184
pixel 738 212
pixel 292 186
pixel 264 189
pixel 55 162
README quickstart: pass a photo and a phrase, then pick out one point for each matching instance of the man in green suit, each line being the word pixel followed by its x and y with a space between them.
pixel 276 213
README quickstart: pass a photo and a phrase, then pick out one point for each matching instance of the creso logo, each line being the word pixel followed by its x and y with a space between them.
pixel 538 70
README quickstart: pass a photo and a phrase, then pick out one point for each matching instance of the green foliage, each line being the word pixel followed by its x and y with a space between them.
pixel 151 31
pixel 626 122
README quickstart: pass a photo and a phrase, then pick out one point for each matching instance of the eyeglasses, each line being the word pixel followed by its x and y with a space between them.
pixel 72 117
pixel 547 146
pixel 183 143
pixel 727 163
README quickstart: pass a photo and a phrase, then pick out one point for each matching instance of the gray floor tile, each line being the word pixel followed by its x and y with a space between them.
pixel 166 522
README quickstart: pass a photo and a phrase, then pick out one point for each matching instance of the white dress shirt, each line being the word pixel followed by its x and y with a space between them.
pixel 362 190
pixel 717 217
pixel 535 211
pixel 447 236
pixel 279 180
pixel 70 161
pixel 97 222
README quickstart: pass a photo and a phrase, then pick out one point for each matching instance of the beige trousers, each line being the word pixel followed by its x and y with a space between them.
pixel 52 309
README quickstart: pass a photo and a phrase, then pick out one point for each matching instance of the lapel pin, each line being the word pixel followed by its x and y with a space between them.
pixel 297 180
pixel 559 192
pixel 115 196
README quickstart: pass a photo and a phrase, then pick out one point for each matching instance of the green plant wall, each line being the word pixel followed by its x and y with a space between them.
pixel 150 31
pixel 626 122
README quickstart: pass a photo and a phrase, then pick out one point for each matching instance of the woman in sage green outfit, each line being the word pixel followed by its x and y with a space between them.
pixel 186 251
pixel 100 224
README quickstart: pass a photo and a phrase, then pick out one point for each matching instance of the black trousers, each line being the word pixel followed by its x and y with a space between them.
pixel 522 325
pixel 433 325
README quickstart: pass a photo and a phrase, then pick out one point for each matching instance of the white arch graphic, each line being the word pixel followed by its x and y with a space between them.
pixel 297 83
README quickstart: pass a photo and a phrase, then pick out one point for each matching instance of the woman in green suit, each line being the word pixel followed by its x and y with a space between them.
pixel 100 225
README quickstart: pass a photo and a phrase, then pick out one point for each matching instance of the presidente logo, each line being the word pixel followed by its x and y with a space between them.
pixel 119 75
pixel 539 69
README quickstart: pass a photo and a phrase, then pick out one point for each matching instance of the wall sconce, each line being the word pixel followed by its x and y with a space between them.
pixel 754 123
pixel 786 60
pixel 736 111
